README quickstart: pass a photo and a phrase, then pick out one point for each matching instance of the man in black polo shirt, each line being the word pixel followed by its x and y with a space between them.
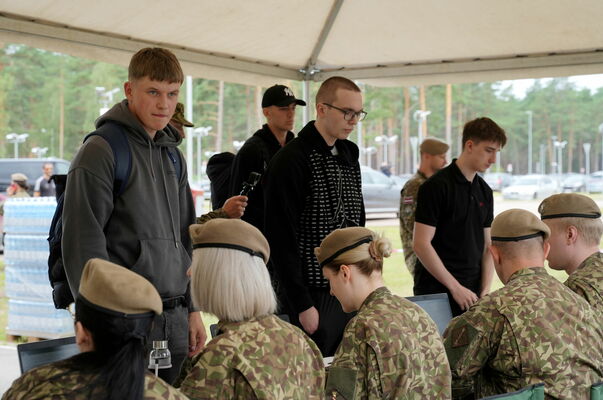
pixel 452 221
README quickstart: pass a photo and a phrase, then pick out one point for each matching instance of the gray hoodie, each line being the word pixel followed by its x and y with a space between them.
pixel 146 228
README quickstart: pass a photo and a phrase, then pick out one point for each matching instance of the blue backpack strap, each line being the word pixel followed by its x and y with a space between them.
pixel 174 155
pixel 117 138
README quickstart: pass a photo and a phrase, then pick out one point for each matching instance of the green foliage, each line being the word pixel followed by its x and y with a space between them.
pixel 35 84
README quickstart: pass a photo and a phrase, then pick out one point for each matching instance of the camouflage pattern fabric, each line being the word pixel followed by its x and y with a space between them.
pixel 218 213
pixel 587 280
pixel 408 206
pixel 58 382
pixel 263 358
pixel 532 330
pixel 390 350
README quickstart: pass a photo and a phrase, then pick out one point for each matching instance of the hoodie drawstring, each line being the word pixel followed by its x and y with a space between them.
pixel 151 160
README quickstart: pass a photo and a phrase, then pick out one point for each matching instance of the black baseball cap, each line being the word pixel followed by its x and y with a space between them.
pixel 280 96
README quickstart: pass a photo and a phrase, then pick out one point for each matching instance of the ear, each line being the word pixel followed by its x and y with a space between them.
pixel 266 111
pixel 495 254
pixel 469 145
pixel 83 338
pixel 346 272
pixel 128 89
pixel 320 109
pixel 571 235
pixel 546 248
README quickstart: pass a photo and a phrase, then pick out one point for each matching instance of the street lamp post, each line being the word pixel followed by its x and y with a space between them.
pixel 414 141
pixel 39 151
pixel 420 116
pixel 559 145
pixel 367 151
pixel 529 141
pixel 586 147
pixel 17 138
pixel 199 133
pixel 385 141
pixel 106 97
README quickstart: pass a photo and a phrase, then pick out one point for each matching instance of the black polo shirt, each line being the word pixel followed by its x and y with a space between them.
pixel 459 210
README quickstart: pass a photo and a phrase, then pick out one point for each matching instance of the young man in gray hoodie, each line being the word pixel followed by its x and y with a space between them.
pixel 146 227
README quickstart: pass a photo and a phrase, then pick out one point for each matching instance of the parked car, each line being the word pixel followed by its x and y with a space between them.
pixel 574 183
pixel 400 180
pixel 528 187
pixel 31 167
pixel 381 194
pixel 498 180
pixel 594 183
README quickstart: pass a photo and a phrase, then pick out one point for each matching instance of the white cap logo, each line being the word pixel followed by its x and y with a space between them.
pixel 288 92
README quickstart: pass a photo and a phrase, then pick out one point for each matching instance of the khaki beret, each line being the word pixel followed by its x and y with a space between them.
pixel 568 205
pixel 108 286
pixel 230 234
pixel 18 177
pixel 433 146
pixel 179 116
pixel 340 241
pixel 516 224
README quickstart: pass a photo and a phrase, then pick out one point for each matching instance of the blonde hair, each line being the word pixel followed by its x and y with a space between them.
pixel 590 229
pixel 367 257
pixel 231 284
pixel 515 249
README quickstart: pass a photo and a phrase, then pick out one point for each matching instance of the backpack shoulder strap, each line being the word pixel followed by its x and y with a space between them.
pixel 174 155
pixel 117 138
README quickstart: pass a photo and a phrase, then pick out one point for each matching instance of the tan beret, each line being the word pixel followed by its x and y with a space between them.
pixel 433 146
pixel 179 116
pixel 111 287
pixel 516 224
pixel 18 177
pixel 230 234
pixel 340 241
pixel 568 205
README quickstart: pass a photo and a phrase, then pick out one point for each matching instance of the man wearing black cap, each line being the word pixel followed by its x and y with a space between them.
pixel 278 106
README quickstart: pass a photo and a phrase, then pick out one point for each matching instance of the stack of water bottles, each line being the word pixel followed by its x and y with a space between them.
pixel 31 311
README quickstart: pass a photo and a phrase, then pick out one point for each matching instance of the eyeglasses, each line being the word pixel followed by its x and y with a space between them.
pixel 348 115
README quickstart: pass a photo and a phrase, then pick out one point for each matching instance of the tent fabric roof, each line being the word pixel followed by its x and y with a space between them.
pixel 386 42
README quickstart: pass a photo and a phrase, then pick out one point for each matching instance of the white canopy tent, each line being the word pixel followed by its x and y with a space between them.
pixel 386 42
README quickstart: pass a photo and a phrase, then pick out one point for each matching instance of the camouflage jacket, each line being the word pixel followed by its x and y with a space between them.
pixel 532 330
pixel 587 280
pixel 59 381
pixel 408 206
pixel 390 350
pixel 262 358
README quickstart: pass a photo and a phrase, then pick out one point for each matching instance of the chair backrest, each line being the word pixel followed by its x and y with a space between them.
pixel 213 328
pixel 532 392
pixel 437 306
pixel 33 355
pixel 596 391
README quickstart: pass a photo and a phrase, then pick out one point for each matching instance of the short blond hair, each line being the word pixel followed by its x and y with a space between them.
pixel 231 284
pixel 590 229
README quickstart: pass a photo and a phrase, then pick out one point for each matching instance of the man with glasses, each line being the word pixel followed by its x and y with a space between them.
pixel 312 187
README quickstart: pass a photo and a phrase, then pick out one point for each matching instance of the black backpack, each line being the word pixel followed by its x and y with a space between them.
pixel 116 136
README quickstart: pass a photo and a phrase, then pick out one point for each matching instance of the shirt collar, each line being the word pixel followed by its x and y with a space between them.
pixel 589 259
pixel 376 294
pixel 526 272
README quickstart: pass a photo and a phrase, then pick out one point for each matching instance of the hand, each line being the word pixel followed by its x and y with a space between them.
pixel 196 333
pixel 234 207
pixel 309 320
pixel 483 292
pixel 464 297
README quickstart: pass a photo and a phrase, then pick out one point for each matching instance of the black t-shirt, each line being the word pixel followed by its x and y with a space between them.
pixel 459 210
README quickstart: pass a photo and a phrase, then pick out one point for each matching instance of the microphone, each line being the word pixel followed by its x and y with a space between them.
pixel 248 186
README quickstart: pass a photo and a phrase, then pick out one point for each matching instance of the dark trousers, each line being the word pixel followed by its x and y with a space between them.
pixel 331 321
pixel 172 326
